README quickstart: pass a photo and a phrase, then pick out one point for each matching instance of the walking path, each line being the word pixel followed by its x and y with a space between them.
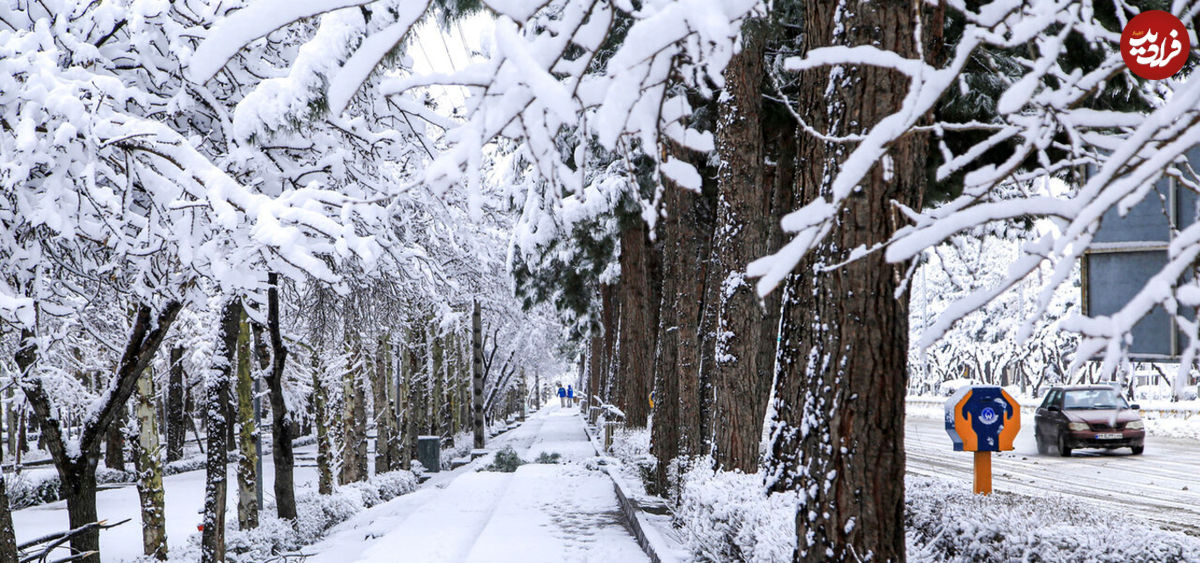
pixel 542 512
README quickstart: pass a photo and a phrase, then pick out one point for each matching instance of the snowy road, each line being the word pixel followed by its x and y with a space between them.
pixel 541 513
pixel 1161 485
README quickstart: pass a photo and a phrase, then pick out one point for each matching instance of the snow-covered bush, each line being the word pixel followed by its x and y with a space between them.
pixel 316 514
pixel 632 447
pixel 505 461
pixel 548 457
pixel 38 487
pixel 28 489
pixel 945 522
pixel 728 516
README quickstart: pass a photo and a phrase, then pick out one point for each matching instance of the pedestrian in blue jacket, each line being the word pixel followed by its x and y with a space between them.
pixel 562 396
pixel 570 396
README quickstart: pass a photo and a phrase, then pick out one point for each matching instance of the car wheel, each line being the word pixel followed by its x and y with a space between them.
pixel 1137 450
pixel 1043 447
pixel 1063 450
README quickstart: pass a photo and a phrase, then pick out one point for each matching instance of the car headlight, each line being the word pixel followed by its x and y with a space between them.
pixel 1078 426
pixel 1135 425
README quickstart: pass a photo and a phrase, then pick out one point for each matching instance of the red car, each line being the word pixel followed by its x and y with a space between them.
pixel 1088 416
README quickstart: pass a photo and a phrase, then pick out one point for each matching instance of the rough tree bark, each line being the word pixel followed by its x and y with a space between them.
pixel 635 363
pixel 148 462
pixel 417 377
pixel 403 453
pixel 839 426
pixel 741 385
pixel 324 447
pixel 383 409
pixel 218 397
pixel 664 433
pixel 437 397
pixel 10 424
pixel 477 375
pixel 354 416
pixel 8 538
pixel 247 431
pixel 114 443
pixel 610 319
pixel 595 372
pixel 77 466
pixel 176 423
pixel 282 431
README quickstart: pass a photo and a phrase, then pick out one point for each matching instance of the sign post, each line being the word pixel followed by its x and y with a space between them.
pixel 982 419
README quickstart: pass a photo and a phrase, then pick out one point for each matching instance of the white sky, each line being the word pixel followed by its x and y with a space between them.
pixel 445 51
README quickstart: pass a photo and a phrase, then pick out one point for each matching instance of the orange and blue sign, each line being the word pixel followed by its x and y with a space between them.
pixel 982 419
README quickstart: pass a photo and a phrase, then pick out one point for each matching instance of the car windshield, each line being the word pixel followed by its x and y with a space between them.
pixel 1093 399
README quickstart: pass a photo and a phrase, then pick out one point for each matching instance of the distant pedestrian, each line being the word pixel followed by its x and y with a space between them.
pixel 570 396
pixel 562 396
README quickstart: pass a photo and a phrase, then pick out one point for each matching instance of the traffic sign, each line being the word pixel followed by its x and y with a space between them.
pixel 982 419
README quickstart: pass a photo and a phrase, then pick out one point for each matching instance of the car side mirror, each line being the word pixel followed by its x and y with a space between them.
pixel 1053 408
pixel 1135 407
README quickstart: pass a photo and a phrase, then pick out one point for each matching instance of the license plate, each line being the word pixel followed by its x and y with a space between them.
pixel 1112 436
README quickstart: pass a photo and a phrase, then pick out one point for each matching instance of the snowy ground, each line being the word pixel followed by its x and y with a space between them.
pixel 542 512
pixel 1159 485
pixel 184 497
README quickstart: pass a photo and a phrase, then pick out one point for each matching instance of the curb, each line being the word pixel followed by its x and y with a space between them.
pixel 648 537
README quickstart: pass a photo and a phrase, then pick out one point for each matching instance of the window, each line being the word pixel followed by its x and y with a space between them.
pixel 1106 398
pixel 1051 398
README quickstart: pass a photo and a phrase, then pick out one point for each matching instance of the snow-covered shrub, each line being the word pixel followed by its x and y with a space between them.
pixel 383 487
pixel 945 522
pixel 728 516
pixel 632 447
pixel 505 461
pixel 463 443
pixel 28 489
pixel 548 457
pixel 38 487
pixel 316 514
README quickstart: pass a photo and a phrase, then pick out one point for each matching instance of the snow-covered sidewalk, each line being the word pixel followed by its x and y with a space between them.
pixel 542 512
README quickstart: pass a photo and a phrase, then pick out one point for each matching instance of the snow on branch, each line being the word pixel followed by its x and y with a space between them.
pixel 1052 121
pixel 257 19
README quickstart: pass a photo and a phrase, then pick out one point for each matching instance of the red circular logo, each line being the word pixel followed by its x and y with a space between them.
pixel 1155 45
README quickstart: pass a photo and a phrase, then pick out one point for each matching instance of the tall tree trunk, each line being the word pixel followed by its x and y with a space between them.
pixel 595 367
pixel 437 372
pixel 610 317
pixel 114 443
pixel 150 470
pixel 403 452
pixel 282 429
pixel 664 434
pixel 839 407
pixel 8 538
pixel 417 401
pixel 77 465
pixel 383 409
pixel 218 397
pixel 741 386
pixel 324 445
pixel 77 483
pixel 247 431
pixel 176 421
pixel 636 356
pixel 477 375
pixel 10 410
pixel 354 435
pixel 456 387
